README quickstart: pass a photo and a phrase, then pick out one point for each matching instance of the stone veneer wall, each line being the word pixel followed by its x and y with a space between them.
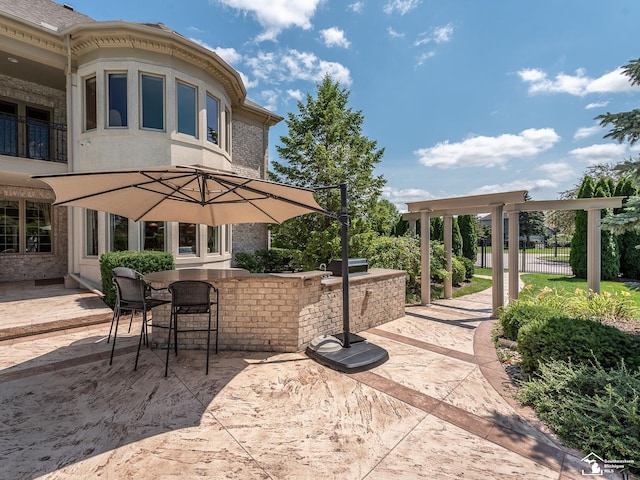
pixel 37 266
pixel 249 159
pixel 283 313
pixel 40 96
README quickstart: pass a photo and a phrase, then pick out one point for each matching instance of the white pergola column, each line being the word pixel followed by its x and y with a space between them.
pixel 594 251
pixel 425 258
pixel 514 238
pixel 448 255
pixel 412 227
pixel 497 254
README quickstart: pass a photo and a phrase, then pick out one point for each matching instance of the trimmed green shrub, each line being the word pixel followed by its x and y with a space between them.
pixel 248 261
pixel 469 235
pixel 144 262
pixel 458 273
pixel 519 313
pixel 266 260
pixel 577 340
pixel 469 267
pixel 397 253
pixel 589 407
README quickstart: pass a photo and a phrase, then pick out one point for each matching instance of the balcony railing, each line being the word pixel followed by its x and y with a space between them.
pixel 29 138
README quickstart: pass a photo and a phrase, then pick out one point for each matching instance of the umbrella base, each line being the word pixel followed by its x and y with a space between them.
pixel 360 356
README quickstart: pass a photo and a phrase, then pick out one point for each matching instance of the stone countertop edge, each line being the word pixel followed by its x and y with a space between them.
pixel 326 277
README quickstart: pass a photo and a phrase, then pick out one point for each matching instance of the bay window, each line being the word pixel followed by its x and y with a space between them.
pixel 152 101
pixel 117 99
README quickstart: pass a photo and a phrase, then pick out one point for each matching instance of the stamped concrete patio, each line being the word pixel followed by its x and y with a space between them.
pixel 439 408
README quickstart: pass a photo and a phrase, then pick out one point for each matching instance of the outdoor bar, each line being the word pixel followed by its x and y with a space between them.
pixel 283 312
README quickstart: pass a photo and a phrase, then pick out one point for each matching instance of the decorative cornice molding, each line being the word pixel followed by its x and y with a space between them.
pixel 88 37
pixel 49 41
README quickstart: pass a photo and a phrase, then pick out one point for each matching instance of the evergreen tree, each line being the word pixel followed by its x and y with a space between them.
pixel 325 146
pixel 469 234
pixel 530 223
pixel 626 127
pixel 627 241
pixel 437 229
pixel 456 238
pixel 610 254
pixel 578 254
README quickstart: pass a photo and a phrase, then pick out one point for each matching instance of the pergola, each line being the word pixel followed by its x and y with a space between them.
pixel 511 203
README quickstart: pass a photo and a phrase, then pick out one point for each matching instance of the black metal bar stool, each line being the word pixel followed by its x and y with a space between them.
pixel 191 298
pixel 132 295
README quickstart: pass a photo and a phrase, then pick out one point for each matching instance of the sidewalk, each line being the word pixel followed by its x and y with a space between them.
pixel 439 408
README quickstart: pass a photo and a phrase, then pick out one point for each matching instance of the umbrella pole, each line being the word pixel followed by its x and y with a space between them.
pixel 344 222
pixel 329 350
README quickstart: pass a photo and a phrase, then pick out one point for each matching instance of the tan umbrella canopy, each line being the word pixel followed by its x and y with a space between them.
pixel 188 194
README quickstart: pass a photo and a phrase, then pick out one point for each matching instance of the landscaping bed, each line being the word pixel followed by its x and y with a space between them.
pixel 575 358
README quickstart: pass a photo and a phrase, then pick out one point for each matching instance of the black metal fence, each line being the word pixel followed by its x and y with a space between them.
pixel 547 256
pixel 30 138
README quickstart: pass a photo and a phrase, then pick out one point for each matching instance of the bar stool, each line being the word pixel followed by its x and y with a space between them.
pixel 190 297
pixel 132 296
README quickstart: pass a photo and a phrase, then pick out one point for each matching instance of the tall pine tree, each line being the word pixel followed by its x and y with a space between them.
pixel 627 241
pixel 578 254
pixel 469 236
pixel 609 252
pixel 325 146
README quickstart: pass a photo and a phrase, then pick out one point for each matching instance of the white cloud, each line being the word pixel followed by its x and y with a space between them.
pixel 400 197
pixel 529 185
pixel 559 171
pixel 357 7
pixel 585 132
pixel 229 55
pixel 393 34
pixel 269 99
pixel 424 57
pixel 596 105
pixel 297 95
pixel 600 153
pixel 614 81
pixel 443 34
pixel 277 15
pixel 482 151
pixel 578 84
pixel 400 6
pixel 248 83
pixel 334 37
pixel 291 65
pixel 437 35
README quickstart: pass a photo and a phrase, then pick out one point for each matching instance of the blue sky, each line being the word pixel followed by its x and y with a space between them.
pixel 467 96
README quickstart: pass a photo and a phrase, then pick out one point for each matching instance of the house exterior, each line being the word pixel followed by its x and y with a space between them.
pixel 78 95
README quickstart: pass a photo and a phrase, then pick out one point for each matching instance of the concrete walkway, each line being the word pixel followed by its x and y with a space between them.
pixel 439 408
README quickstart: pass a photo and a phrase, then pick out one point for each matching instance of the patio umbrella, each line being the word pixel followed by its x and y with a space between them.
pixel 197 194
pixel 188 194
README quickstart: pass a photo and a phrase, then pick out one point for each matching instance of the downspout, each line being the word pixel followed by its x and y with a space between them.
pixel 265 144
pixel 71 264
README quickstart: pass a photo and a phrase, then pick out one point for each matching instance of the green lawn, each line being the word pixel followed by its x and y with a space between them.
pixel 564 284
pixel 476 285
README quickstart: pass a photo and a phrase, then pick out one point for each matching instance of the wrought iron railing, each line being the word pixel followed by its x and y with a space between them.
pixel 29 138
